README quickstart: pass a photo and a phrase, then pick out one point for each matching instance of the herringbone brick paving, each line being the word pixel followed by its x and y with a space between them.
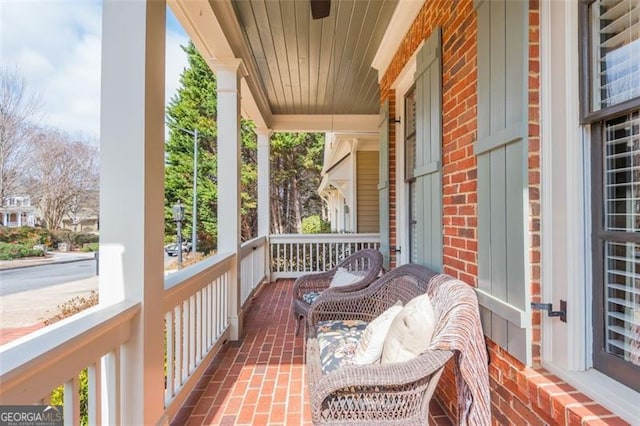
pixel 261 380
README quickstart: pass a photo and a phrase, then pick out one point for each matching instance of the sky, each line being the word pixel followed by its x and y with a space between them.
pixel 55 46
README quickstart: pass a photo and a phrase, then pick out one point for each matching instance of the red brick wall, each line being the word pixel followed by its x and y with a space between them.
pixel 534 170
pixel 519 395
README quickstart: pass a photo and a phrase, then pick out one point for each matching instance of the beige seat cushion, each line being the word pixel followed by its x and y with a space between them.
pixel 371 342
pixel 410 331
pixel 343 277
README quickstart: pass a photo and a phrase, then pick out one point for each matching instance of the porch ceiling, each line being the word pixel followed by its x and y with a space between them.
pixel 307 66
pixel 301 74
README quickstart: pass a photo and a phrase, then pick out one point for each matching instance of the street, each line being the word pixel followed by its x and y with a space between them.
pixel 38 277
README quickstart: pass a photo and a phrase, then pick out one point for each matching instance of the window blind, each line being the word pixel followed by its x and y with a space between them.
pixel 410 164
pixel 617 64
pixel 622 258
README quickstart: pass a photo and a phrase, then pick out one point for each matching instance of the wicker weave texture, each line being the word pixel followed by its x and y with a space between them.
pixel 367 262
pixel 378 393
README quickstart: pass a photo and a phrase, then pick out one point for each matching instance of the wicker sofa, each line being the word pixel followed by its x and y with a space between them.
pixel 399 393
pixel 367 263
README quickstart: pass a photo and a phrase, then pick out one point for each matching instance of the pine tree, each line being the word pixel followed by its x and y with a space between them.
pixel 296 163
pixel 195 107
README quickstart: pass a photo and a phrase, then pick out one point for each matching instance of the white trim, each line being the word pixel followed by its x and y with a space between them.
pixel 618 398
pixel 564 249
pixel 404 15
pixel 355 123
pixel 566 217
pixel 403 83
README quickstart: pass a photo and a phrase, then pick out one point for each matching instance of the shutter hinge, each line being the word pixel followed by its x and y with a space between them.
pixel 562 313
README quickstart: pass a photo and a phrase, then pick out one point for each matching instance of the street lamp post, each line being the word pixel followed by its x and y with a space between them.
pixel 194 219
pixel 178 217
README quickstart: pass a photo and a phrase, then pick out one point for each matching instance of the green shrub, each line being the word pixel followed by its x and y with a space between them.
pixel 81 239
pixel 315 225
pixel 71 307
pixel 26 235
pixel 89 247
pixel 57 396
pixel 60 236
pixel 75 239
pixel 9 251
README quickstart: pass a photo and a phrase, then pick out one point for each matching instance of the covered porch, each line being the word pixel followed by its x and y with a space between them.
pixel 460 181
pixel 261 380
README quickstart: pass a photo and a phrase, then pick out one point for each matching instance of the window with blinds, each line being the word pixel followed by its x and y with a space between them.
pixel 622 215
pixel 410 165
pixel 617 52
pixel 614 117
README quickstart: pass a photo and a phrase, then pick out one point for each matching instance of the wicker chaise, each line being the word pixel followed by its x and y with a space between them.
pixel 399 393
pixel 366 262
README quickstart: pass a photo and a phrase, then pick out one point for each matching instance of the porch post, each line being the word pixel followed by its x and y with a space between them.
pixel 264 194
pixel 132 203
pixel 264 172
pixel 228 73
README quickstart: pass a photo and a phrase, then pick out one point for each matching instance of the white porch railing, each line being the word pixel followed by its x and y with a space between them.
pixel 196 323
pixel 252 266
pixel 293 255
pixel 196 304
pixel 34 365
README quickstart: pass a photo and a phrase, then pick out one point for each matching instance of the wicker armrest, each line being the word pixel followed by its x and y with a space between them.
pixel 395 374
pixel 363 392
pixel 318 281
pixel 333 305
pixel 402 283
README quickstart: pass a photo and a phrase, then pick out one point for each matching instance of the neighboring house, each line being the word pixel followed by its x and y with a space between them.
pixel 349 183
pixel 85 221
pixel 17 211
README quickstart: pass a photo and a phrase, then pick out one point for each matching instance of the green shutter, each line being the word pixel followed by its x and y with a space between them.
pixel 428 170
pixel 502 158
pixel 383 182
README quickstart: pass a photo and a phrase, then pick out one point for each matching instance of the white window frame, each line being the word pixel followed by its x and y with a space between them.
pixel 566 250
pixel 402 85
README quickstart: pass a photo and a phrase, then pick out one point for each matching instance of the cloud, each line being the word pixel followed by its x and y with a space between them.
pixel 56 47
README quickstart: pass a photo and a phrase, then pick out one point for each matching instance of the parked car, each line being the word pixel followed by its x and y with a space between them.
pixel 172 249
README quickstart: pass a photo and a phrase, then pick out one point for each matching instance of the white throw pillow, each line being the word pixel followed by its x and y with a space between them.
pixel 343 277
pixel 410 332
pixel 372 339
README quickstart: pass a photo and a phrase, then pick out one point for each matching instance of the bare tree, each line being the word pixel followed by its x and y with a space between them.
pixel 18 111
pixel 64 176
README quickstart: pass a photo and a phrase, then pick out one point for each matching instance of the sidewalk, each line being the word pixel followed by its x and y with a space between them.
pixel 51 257
pixel 31 307
pixel 24 312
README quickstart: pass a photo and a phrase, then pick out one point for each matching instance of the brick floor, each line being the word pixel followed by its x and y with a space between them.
pixel 10 334
pixel 261 380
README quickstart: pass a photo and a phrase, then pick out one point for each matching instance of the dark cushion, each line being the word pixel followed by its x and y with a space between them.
pixel 338 341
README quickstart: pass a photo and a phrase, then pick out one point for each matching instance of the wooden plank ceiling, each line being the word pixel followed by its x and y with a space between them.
pixel 309 66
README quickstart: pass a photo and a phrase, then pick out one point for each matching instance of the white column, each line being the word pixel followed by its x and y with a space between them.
pixel 264 173
pixel 19 218
pixel 132 198
pixel 264 193
pixel 229 73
